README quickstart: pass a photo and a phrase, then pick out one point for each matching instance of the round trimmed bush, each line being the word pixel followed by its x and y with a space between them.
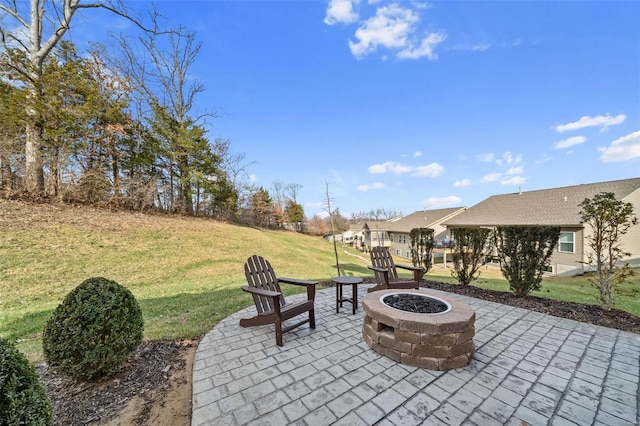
pixel 23 398
pixel 94 330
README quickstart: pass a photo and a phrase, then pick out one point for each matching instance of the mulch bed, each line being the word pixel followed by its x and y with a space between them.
pixel 146 376
pixel 591 314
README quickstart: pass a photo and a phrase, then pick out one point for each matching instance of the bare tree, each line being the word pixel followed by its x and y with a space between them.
pixel 279 202
pixel 357 217
pixel 161 78
pixel 380 215
pixel 331 212
pixel 292 191
pixel 235 165
pixel 35 28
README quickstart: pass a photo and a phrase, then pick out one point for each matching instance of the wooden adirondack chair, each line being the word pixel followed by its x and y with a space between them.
pixel 385 271
pixel 271 306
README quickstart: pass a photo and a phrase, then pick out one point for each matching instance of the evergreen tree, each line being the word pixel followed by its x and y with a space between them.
pixel 421 246
pixel 524 253
pixel 469 248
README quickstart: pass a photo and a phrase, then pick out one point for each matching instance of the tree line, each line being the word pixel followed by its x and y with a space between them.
pixel 118 126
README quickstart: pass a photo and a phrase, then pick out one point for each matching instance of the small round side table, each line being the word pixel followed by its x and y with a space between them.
pixel 353 281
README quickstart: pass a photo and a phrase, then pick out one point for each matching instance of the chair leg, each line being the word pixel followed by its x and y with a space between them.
pixel 278 332
pixel 312 319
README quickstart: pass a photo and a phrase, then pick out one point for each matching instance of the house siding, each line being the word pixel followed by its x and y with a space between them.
pixel 570 263
pixel 631 240
pixel 557 207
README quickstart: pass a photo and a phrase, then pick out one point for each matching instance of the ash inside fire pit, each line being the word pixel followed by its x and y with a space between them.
pixel 416 303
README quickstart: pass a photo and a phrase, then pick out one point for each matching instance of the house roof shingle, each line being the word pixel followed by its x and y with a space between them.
pixel 422 219
pixel 557 206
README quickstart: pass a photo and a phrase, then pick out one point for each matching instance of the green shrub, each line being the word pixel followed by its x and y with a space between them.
pixel 94 330
pixel 421 246
pixel 23 398
pixel 469 248
pixel 525 253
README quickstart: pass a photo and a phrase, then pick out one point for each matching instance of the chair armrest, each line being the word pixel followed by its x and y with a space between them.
pixel 260 291
pixel 409 268
pixel 377 269
pixel 297 282
pixel 310 285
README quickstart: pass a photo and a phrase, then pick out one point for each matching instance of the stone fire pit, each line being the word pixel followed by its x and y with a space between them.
pixel 422 330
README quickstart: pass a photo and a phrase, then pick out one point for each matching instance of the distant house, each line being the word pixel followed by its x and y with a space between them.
pixel 375 234
pixel 398 230
pixel 354 235
pixel 559 207
pixel 394 233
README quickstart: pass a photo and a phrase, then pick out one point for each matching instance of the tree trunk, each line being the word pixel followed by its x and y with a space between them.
pixel 6 176
pixel 54 179
pixel 34 174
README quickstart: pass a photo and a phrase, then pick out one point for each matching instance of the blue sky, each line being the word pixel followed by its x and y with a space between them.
pixel 413 105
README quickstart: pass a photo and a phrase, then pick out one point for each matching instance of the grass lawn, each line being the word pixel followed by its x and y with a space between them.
pixel 186 273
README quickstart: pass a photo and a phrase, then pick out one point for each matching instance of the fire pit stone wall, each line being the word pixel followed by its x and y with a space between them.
pixel 433 341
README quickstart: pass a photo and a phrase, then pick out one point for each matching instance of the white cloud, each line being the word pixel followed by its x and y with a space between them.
pixel 622 149
pixel 417 154
pixel 341 11
pixel 486 157
pixel 569 142
pixel 430 170
pixel 393 27
pixel 478 47
pixel 425 49
pixel 514 171
pixel 515 180
pixel 389 167
pixel 376 185
pixel 543 160
pixel 435 202
pixel 602 121
pixel 462 183
pixel 491 177
pixel 253 178
pixel 390 28
pixel 508 158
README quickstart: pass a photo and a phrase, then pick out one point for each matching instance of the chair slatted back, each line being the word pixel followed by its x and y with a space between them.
pixel 381 258
pixel 260 274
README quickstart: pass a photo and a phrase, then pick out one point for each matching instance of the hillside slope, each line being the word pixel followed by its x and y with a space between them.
pixel 185 272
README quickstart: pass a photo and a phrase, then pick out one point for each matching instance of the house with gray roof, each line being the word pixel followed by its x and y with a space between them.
pixel 394 233
pixel 398 231
pixel 354 235
pixel 559 207
pixel 375 234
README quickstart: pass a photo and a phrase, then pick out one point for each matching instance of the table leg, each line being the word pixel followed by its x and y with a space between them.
pixel 354 298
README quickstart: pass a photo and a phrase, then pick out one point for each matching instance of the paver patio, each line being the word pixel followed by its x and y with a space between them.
pixel 529 368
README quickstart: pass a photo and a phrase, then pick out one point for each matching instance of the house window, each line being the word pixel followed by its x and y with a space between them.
pixel 398 252
pixel 391 237
pixel 566 243
pixel 402 239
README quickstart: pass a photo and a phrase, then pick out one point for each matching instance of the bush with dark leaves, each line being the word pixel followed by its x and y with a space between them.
pixel 94 330
pixel 23 398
